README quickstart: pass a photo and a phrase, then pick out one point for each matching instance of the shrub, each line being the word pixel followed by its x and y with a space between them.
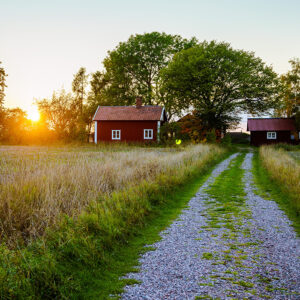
pixel 211 136
pixel 226 140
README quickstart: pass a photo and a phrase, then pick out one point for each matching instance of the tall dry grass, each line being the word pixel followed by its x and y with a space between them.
pixel 39 184
pixel 285 170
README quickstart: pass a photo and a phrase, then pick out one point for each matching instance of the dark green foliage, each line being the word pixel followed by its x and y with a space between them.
pixel 219 82
pixel 211 136
pixel 226 140
pixel 133 68
pixel 239 137
pixel 289 104
pixel 170 132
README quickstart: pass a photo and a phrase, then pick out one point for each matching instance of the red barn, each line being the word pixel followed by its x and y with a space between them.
pixel 129 123
pixel 272 131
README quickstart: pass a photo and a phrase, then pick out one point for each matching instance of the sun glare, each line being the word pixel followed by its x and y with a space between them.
pixel 33 114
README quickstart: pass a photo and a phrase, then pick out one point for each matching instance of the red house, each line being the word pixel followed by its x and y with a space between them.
pixel 272 131
pixel 129 123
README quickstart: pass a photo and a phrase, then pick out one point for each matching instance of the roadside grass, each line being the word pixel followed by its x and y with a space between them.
pixel 40 184
pixel 295 155
pixel 291 150
pixel 270 186
pixel 286 147
pixel 125 259
pixel 82 257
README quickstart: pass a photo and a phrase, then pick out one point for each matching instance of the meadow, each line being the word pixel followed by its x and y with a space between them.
pixel 38 185
pixel 70 207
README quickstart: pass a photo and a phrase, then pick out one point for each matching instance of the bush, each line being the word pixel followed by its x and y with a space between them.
pixel 170 132
pixel 211 137
pixel 226 140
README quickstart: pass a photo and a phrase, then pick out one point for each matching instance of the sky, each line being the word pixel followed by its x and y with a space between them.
pixel 43 43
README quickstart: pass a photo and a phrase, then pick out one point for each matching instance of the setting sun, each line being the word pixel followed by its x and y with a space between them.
pixel 33 114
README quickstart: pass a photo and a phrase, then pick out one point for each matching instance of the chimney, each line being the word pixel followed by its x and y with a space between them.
pixel 138 103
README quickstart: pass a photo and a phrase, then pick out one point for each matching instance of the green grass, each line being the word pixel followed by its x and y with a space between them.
pixel 269 189
pixel 286 147
pixel 84 258
pixel 125 258
pixel 228 191
pixel 295 155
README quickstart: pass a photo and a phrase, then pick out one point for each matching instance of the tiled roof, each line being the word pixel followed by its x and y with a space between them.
pixel 271 124
pixel 128 113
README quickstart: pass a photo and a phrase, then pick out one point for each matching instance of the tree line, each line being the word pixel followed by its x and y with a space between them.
pixel 206 85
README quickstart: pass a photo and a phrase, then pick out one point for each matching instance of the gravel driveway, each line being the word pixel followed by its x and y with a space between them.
pixel 254 254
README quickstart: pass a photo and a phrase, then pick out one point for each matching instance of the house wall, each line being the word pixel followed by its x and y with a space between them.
pixel 258 138
pixel 131 131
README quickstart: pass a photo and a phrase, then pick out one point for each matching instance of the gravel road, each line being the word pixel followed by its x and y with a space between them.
pixel 256 257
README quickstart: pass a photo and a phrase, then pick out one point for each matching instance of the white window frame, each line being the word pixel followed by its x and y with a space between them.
pixel 117 134
pixel 148 136
pixel 271 135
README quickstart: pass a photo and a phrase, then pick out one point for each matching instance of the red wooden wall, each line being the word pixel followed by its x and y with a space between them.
pixel 131 131
pixel 258 138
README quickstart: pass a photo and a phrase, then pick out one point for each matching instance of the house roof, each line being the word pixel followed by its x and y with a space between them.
pixel 271 124
pixel 129 113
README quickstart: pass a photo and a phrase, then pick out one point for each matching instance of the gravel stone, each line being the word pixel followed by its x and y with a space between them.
pixel 265 243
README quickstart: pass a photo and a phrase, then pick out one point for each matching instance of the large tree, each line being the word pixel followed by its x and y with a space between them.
pixel 2 88
pixel 16 126
pixel 79 85
pixel 2 84
pixel 60 115
pixel 220 82
pixel 133 67
pixel 290 100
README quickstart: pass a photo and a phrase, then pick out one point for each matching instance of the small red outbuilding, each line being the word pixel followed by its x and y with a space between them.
pixel 272 131
pixel 129 123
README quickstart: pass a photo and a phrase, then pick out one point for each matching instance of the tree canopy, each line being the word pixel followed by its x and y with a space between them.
pixel 133 67
pixel 290 98
pixel 219 82
pixel 79 85
pixel 60 115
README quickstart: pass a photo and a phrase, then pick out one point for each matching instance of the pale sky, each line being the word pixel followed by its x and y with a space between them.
pixel 43 43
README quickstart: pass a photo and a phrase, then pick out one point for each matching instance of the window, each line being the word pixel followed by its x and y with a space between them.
pixel 116 134
pixel 148 134
pixel 271 135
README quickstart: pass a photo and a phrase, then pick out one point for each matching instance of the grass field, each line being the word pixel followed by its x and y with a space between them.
pixel 278 173
pixel 295 155
pixel 64 210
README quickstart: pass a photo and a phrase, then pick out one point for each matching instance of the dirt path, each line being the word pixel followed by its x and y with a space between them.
pixel 229 243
